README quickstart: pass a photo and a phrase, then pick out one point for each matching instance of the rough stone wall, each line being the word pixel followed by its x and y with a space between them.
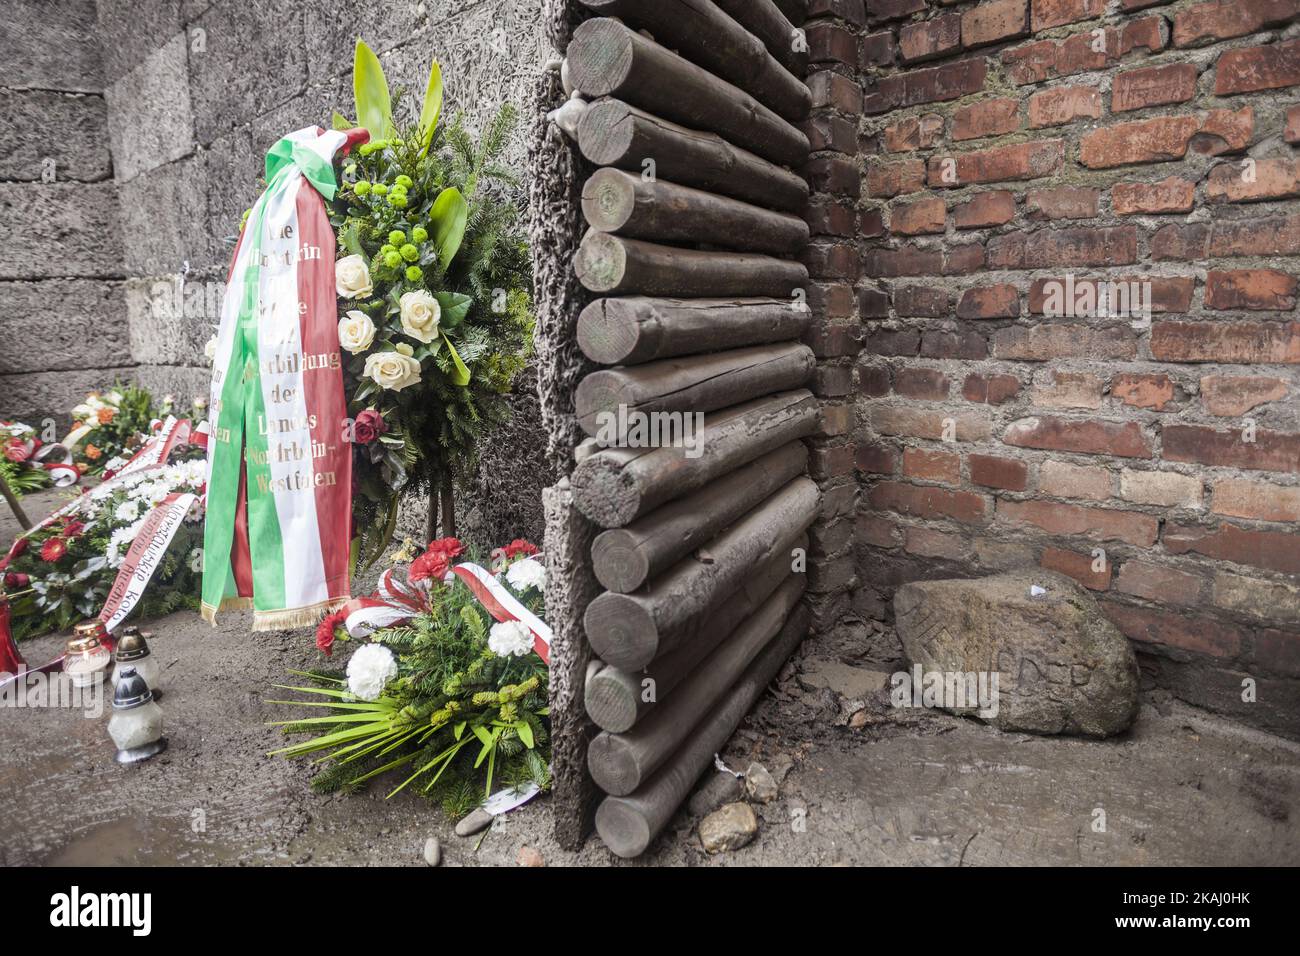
pixel 61 267
pixel 1011 144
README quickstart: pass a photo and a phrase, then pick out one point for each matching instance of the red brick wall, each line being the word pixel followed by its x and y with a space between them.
pixel 1003 146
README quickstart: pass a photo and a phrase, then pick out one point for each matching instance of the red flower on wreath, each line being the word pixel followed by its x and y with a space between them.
pixel 19 546
pixel 436 561
pixel 17 581
pixel 17 450
pixel 325 631
pixel 72 528
pixel 519 546
pixel 368 426
pixel 53 549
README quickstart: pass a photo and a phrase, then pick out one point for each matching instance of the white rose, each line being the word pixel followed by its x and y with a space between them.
pixel 370 670
pixel 420 315
pixel 210 350
pixel 526 574
pixel 352 278
pixel 356 331
pixel 510 639
pixel 394 370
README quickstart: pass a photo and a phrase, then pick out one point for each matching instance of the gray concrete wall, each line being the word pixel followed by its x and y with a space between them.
pixel 157 115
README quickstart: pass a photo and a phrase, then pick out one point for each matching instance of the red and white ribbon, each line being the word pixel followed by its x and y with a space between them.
pixel 146 553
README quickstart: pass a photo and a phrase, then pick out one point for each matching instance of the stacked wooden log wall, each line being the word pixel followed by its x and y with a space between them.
pixel 694 262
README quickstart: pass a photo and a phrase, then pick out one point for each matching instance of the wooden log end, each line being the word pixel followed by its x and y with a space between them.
pixel 603 493
pixel 606 333
pixel 621 631
pixel 619 564
pixel 600 56
pixel 623 827
pixel 600 262
pixel 610 697
pixel 606 132
pixel 613 764
pixel 598 395
pixel 609 199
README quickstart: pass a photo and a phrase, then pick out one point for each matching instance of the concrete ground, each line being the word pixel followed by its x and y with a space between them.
pixel 861 783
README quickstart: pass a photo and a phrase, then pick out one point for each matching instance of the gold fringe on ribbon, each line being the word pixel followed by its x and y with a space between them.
pixel 209 613
pixel 295 617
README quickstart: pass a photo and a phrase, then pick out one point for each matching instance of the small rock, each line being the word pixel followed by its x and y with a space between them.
pixel 432 851
pixel 528 856
pixel 476 821
pixel 720 788
pixel 728 828
pixel 759 783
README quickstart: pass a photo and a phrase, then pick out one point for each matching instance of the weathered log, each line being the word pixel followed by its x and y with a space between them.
pixel 614 265
pixel 634 329
pixel 615 698
pixel 693 383
pixel 613 133
pixel 625 558
pixel 631 630
pixel 606 58
pixel 628 824
pixel 764 19
pixel 698 30
pixel 619 763
pixel 619 202
pixel 616 486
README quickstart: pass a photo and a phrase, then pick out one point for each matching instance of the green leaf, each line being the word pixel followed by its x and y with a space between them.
pixel 460 375
pixel 455 306
pixel 341 122
pixel 525 733
pixel 448 216
pixel 432 108
pixel 350 237
pixel 374 108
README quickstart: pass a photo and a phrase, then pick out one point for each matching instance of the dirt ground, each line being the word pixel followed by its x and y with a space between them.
pixel 861 783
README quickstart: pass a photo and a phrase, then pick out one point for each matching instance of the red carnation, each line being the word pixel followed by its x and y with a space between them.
pixel 451 547
pixel 73 528
pixel 17 450
pixel 435 561
pixel 325 631
pixel 519 546
pixel 368 426
pixel 54 549
pixel 16 581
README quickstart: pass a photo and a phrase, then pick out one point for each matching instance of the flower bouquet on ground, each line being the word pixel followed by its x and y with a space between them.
pixel 61 571
pixel 434 309
pixel 19 464
pixel 450 701
pixel 109 426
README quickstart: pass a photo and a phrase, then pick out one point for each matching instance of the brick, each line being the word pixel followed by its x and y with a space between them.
pixel 1292 131
pixel 1069 390
pixel 931 85
pixel 1233 395
pixel 1198 634
pixel 1171 195
pixel 997 164
pixel 834 300
pixel 876 459
pixel 1064 105
pixel 1155 582
pixel 1278 651
pixel 876 531
pixel 1270 451
pixel 935 544
pixel 1225 19
pixel 1153 86
pixel 926 384
pixel 1099 524
pixel 914 261
pixel 831 43
pixel 1254 181
pixel 1078 246
pixel 990 302
pixel 885 180
pixel 878 10
pixel 832 381
pixel 943 344
pixel 986 118
pixel 827 217
pixel 873 303
pixel 922 301
pixel 915 132
pixel 927 465
pixel 871 223
pixel 1084 436
pixel 831 461
pixel 877 49
pixel 929 502
pixel 1271 601
pixel 1081 567
pixel 830 537
pixel 1269 67
pixel 1065 296
pixel 1242 498
pixel 1041 343
pixel 991 471
pixel 1271 550
pixel 1181 242
pixel 1062 479
pixel 1154 390
pixel 990 389
pixel 1165 488
pixel 851 11
pixel 1054 13
pixel 994 21
pixel 929 39
pixel 1245 343
pixel 831 260
pixel 1254 289
pixel 829 131
pixel 1079 53
pixel 834 174
pixel 1257 236
pixel 985 210
pixel 833 339
pixel 873 380
pixel 911 422
pixel 837 419
pixel 1062 202
pixel 835 92
pixel 1165 138
pixel 892 342
pixel 918 218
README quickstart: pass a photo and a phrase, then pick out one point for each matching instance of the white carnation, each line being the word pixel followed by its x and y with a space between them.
pixel 510 638
pixel 370 670
pixel 127 511
pixel 526 574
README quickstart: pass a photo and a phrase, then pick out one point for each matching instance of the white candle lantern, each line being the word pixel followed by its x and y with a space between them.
pixel 137 722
